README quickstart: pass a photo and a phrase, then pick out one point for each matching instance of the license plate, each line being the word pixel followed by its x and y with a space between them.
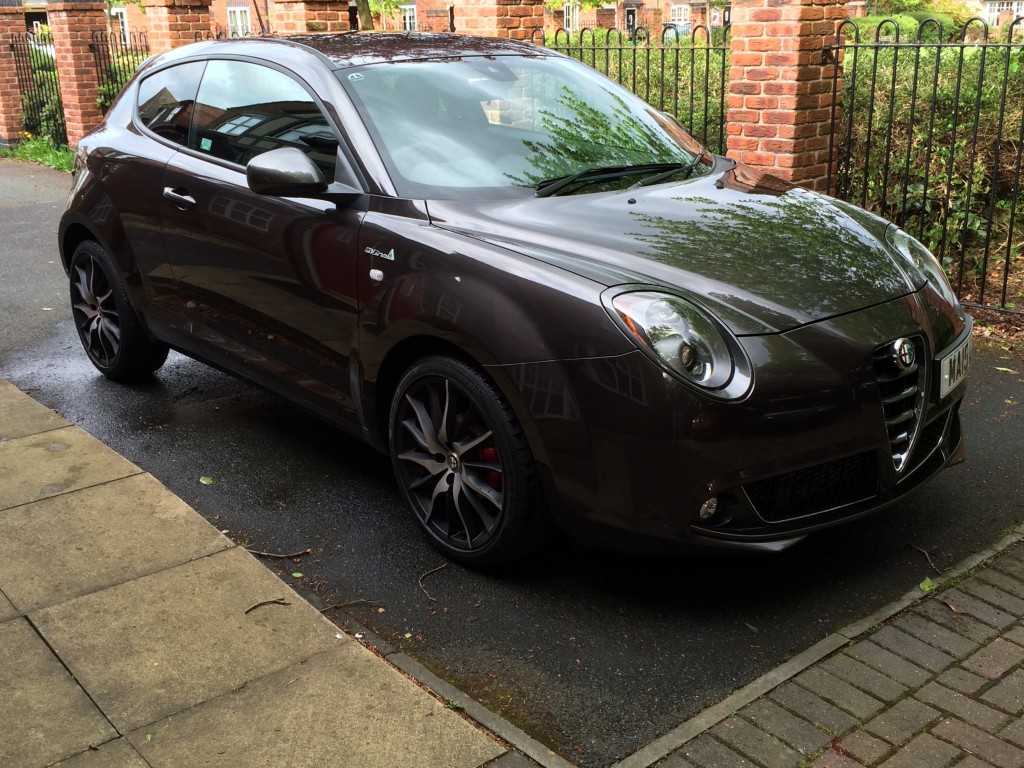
pixel 953 367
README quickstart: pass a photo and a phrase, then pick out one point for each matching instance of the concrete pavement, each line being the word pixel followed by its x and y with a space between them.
pixel 134 634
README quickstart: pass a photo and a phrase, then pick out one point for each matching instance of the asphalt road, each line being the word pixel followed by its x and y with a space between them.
pixel 593 654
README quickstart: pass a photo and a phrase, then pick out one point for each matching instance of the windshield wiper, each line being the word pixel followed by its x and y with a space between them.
pixel 550 187
pixel 687 169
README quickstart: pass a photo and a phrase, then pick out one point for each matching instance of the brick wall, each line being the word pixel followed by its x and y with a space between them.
pixel 174 23
pixel 780 91
pixel 12 22
pixel 73 25
pixel 513 19
pixel 291 17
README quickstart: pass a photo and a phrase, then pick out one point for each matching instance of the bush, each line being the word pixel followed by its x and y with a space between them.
pixel 42 112
pixel 933 146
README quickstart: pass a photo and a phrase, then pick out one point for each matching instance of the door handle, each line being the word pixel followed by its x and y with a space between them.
pixel 181 200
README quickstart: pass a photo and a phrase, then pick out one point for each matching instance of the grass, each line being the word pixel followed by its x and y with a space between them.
pixel 39 149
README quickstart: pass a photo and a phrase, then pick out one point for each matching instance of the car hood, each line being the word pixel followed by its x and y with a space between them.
pixel 764 255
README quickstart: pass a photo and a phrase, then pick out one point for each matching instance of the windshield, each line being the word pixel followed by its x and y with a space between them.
pixel 509 125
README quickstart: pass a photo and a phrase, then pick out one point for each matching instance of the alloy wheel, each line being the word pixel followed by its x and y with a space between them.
pixel 95 311
pixel 448 462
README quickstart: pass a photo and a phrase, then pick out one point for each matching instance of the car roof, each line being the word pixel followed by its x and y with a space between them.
pixel 350 49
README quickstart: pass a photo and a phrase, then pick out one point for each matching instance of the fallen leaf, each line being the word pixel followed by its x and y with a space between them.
pixel 927 585
pixel 149 737
pixel 408 635
pixel 297 575
pixel 206 480
pixel 1007 370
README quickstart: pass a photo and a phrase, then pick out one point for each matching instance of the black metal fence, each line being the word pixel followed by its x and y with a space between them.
pixel 116 60
pixel 685 75
pixel 42 112
pixel 929 134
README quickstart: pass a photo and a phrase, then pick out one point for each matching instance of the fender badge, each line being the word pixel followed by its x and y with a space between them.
pixel 390 255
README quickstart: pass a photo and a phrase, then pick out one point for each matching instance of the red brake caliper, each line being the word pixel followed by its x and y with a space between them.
pixel 490 455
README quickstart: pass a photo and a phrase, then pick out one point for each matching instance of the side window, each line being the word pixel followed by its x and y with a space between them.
pixel 245 109
pixel 167 98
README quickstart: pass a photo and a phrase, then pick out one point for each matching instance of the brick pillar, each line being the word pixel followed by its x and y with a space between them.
pixel 174 23
pixel 780 91
pixel 300 17
pixel 511 19
pixel 73 25
pixel 12 22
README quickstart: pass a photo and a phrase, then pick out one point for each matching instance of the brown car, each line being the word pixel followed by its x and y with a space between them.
pixel 541 296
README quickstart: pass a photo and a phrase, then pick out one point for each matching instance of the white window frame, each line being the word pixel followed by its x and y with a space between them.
pixel 679 13
pixel 571 17
pixel 119 16
pixel 239 21
pixel 408 17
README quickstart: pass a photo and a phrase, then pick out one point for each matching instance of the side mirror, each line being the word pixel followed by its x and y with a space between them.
pixel 288 172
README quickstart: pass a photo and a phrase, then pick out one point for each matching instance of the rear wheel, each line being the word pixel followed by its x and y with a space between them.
pixel 110 330
pixel 463 464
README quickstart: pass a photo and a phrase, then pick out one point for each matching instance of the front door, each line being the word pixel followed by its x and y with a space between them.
pixel 268 283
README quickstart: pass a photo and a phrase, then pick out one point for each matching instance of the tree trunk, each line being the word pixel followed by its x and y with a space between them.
pixel 365 16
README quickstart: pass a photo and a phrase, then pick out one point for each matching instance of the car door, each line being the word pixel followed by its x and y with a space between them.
pixel 268 283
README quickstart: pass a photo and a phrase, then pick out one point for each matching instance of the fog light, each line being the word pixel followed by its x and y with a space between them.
pixel 708 508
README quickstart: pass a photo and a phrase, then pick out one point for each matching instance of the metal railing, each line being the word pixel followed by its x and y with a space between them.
pixel 42 112
pixel 116 60
pixel 929 133
pixel 684 75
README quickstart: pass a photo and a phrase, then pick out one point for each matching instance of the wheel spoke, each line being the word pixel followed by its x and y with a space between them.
pixel 462 448
pixel 426 435
pixel 442 435
pixel 459 493
pixel 82 286
pixel 484 490
pixel 487 519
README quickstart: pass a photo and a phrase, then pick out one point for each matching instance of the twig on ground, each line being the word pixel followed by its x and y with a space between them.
pixel 350 602
pixel 430 597
pixel 927 556
pixel 275 601
pixel 276 555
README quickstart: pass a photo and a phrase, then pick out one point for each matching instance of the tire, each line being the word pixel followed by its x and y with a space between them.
pixel 463 465
pixel 108 326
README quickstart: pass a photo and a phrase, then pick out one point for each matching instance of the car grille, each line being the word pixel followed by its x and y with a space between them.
pixel 815 490
pixel 902 394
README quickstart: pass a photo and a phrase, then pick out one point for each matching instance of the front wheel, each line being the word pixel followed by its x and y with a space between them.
pixel 463 464
pixel 110 330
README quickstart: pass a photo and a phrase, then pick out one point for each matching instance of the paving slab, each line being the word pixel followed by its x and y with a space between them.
pixel 7 609
pixel 343 707
pixel 41 465
pixel 154 646
pixel 20 415
pixel 114 754
pixel 97 537
pixel 46 716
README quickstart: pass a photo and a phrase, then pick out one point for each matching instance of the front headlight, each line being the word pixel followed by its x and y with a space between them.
pixel 922 259
pixel 682 337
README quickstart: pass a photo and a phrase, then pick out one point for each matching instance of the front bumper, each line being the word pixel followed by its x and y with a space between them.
pixel 634 451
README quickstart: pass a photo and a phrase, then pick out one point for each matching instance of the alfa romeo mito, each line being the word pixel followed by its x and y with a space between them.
pixel 551 306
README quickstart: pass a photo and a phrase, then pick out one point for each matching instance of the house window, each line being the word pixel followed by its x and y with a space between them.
pixel 994 10
pixel 679 14
pixel 572 17
pixel 408 17
pixel 238 21
pixel 119 20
